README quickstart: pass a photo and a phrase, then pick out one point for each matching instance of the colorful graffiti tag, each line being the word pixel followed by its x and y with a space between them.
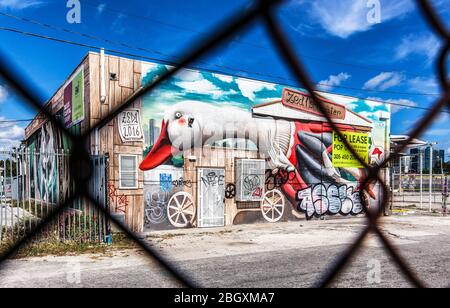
pixel 304 159
pixel 49 165
pixel 320 200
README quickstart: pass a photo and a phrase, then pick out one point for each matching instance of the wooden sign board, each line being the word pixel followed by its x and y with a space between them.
pixel 303 102
pixel 130 129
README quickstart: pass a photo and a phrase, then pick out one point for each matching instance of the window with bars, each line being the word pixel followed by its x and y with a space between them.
pixel 128 173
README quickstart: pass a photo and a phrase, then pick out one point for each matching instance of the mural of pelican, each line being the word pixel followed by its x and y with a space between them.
pixel 288 143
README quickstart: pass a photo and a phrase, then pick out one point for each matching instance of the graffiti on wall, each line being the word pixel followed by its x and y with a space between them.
pixel 320 200
pixel 212 179
pixel 49 165
pixel 304 160
pixel 155 206
pixel 160 186
pixel 118 202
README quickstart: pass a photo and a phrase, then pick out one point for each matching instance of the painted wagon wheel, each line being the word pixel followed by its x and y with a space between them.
pixel 272 205
pixel 181 210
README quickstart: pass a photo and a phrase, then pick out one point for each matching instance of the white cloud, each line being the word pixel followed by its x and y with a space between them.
pixel 424 45
pixel 249 88
pixel 346 17
pixel 19 4
pixel 384 81
pixel 373 102
pixel 332 81
pixel 402 104
pixel 224 78
pixel 424 85
pixel 369 115
pixel 118 25
pixel 443 118
pixel 101 7
pixel 10 134
pixel 189 75
pixel 3 94
pixel 396 104
pixel 199 86
pixel 438 132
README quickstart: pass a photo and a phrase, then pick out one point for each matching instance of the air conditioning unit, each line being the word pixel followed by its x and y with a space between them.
pixel 250 179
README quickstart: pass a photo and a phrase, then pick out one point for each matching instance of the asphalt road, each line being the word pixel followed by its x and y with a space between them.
pixel 427 254
pixel 301 268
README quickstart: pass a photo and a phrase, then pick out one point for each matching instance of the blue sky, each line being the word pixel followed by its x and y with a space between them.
pixel 345 53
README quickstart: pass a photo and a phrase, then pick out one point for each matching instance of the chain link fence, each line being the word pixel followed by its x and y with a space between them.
pixel 419 191
pixel 81 166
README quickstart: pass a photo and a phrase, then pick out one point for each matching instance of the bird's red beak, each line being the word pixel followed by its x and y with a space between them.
pixel 161 152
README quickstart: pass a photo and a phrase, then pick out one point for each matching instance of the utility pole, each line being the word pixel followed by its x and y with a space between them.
pixel 400 188
pixel 421 177
pixel 431 176
pixel 445 195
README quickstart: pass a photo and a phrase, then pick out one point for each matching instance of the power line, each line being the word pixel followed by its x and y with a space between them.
pixel 238 41
pixel 214 71
pixel 15 121
pixel 175 57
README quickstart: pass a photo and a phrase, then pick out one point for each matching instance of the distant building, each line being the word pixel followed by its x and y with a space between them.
pixel 438 155
pixel 151 132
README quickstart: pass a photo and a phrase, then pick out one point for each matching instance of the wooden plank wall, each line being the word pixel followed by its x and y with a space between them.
pixel 128 80
pixel 56 102
pixel 128 72
pixel 216 158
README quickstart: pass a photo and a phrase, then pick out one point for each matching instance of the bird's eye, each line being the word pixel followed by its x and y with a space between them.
pixel 178 115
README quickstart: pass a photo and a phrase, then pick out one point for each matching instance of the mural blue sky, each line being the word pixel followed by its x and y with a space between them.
pixel 219 89
pixel 225 90
pixel 392 60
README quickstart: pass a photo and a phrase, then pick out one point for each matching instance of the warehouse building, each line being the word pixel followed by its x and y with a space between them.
pixel 209 150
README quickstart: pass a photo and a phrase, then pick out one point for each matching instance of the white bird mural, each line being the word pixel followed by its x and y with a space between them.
pixel 289 146
pixel 191 125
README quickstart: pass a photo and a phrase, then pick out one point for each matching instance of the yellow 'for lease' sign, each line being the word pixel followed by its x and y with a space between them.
pixel 342 157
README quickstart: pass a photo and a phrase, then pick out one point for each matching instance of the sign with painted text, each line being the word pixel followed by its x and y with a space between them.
pixel 130 129
pixel 342 157
pixel 74 99
pixel 303 102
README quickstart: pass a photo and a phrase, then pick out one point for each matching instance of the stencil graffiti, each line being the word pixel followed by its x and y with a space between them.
pixel 155 206
pixel 165 182
pixel 320 200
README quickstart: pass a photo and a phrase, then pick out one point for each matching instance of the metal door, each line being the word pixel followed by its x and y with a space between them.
pixel 211 197
pixel 98 187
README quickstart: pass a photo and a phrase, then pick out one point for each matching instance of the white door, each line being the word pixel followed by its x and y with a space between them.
pixel 211 197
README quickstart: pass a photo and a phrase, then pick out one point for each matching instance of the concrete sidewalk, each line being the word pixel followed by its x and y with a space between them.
pixel 291 254
pixel 187 244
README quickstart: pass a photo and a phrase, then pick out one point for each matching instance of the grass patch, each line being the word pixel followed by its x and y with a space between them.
pixel 54 248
